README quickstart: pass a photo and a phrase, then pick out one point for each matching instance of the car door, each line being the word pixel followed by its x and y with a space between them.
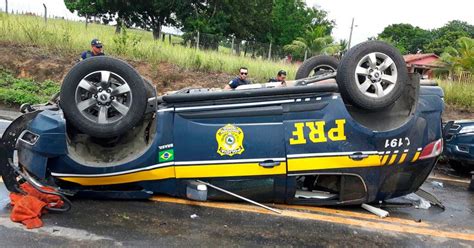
pixel 239 147
pixel 325 151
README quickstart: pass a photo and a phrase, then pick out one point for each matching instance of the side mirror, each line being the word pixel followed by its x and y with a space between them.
pixel 196 191
pixel 446 128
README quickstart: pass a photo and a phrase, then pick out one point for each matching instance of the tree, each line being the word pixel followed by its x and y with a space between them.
pixel 152 15
pixel 291 18
pixel 406 38
pixel 248 19
pixel 460 57
pixel 86 8
pixel 448 35
pixel 343 46
pixel 149 15
pixel 105 11
pixel 241 19
pixel 455 26
pixel 315 41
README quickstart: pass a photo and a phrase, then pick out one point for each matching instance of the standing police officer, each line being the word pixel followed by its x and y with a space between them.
pixel 96 50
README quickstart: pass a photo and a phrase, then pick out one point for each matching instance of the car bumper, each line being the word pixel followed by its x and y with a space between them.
pixel 460 152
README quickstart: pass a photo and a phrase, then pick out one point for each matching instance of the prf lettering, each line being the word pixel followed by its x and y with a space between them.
pixel 316 133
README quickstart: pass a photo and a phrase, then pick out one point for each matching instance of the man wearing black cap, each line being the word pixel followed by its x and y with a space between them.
pixel 281 77
pixel 96 50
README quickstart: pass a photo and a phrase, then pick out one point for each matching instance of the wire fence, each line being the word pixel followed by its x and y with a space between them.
pixel 236 47
pixel 460 77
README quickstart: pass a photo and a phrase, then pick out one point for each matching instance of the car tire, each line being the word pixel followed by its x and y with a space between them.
pixel 103 97
pixel 459 167
pixel 317 65
pixel 372 75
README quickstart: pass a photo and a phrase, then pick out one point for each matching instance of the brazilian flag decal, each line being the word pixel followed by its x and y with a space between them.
pixel 166 155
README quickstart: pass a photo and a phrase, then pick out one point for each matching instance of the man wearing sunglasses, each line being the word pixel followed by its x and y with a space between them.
pixel 240 80
pixel 96 50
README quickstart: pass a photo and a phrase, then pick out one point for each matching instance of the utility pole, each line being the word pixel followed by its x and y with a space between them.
pixel 270 51
pixel 6 6
pixel 197 41
pixel 350 36
pixel 232 45
pixel 45 14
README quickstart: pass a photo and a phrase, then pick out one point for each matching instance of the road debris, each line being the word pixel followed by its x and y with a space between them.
pixel 437 184
pixel 430 197
pixel 31 204
pixel 194 216
pixel 417 201
pixel 377 211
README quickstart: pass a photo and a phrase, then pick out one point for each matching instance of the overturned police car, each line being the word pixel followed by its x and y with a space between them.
pixel 368 133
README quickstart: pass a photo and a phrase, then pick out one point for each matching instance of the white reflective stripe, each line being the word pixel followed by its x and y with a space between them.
pixel 259 124
pixel 165 110
pixel 113 173
pixel 406 150
pixel 334 97
pixel 234 105
pixel 307 99
pixel 327 154
pixel 419 149
pixel 230 161
pixel 249 124
pixel 381 153
pixel 395 152
pixel 318 98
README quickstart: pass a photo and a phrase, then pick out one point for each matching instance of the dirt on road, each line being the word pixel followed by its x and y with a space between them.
pixel 41 64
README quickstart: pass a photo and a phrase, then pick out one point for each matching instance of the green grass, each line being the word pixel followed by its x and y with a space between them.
pixel 68 37
pixel 458 94
pixel 71 37
pixel 16 91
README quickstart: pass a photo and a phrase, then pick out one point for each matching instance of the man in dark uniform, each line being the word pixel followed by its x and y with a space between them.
pixel 96 50
pixel 240 80
pixel 281 77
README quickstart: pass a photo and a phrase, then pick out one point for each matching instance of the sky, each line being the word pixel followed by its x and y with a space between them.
pixel 371 16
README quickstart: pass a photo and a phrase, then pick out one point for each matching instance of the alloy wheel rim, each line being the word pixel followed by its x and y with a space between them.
pixel 376 75
pixel 103 97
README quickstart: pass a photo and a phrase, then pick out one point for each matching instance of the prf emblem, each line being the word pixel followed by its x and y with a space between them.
pixel 229 140
pixel 317 132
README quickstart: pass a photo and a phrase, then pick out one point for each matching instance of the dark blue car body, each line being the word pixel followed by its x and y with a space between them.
pixel 459 145
pixel 255 143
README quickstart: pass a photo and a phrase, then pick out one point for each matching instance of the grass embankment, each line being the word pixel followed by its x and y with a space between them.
pixel 458 94
pixel 15 91
pixel 63 36
pixel 69 37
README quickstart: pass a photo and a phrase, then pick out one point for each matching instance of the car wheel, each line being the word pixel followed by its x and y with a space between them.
pixel 317 65
pixel 372 75
pixel 103 97
pixel 459 167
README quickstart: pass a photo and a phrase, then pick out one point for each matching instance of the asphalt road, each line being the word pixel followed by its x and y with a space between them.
pixel 172 222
